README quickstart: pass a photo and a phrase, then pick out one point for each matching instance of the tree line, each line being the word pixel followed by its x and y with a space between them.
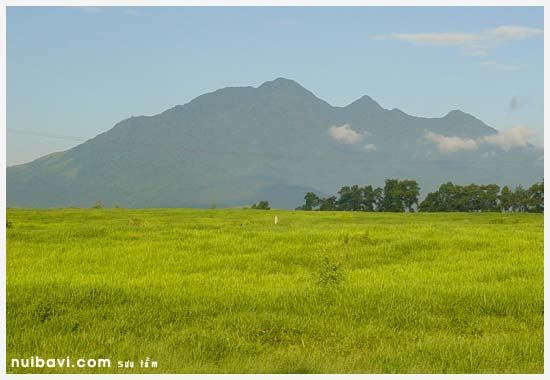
pixel 402 196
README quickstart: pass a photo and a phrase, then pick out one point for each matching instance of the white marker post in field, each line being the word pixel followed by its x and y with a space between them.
pixel 276 220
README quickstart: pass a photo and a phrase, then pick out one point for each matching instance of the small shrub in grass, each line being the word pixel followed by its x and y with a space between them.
pixel 365 238
pixel 135 222
pixel 503 221
pixel 74 326
pixel 9 224
pixel 361 238
pixel 330 272
pixel 98 205
pixel 43 311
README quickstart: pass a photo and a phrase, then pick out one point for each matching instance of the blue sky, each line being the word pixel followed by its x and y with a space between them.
pixel 74 71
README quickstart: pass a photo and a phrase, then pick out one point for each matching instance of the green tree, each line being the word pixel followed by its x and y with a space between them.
pixel 410 192
pixel 469 198
pixel 328 204
pixel 441 200
pixel 520 200
pixel 399 196
pixel 506 199
pixel 449 198
pixel 369 198
pixel 536 197
pixel 489 197
pixel 378 198
pixel 430 203
pixel 344 199
pixel 484 198
pixel 311 202
pixel 351 198
pixel 261 205
pixel 392 197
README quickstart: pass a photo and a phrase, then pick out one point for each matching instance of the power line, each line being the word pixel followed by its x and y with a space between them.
pixel 49 135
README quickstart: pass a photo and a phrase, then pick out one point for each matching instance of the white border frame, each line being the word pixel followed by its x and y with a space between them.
pixel 3 98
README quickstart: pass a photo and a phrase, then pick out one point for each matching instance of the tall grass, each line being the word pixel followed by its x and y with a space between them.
pixel 228 291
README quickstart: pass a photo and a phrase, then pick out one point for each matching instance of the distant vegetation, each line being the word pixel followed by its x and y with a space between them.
pixel 97 204
pixel 475 198
pixel 261 205
pixel 402 195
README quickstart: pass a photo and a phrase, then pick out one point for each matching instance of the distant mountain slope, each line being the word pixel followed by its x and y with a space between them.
pixel 234 145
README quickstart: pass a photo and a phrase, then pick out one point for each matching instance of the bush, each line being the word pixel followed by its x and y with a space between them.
pixel 262 205
pixel 9 224
pixel 42 311
pixel 330 272
pixel 98 205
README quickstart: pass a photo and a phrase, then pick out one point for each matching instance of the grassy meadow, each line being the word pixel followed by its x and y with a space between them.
pixel 228 291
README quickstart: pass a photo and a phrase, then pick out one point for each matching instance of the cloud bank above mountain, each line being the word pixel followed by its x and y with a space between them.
pixel 506 140
pixel 511 138
pixel 451 144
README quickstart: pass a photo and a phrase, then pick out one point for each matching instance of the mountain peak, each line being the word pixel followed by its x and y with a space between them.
pixel 281 83
pixel 454 114
pixel 288 90
pixel 461 119
pixel 460 116
pixel 365 101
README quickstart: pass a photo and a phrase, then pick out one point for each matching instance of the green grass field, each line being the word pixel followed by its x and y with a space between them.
pixel 228 291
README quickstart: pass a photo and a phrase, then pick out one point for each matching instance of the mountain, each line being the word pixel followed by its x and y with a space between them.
pixel 239 145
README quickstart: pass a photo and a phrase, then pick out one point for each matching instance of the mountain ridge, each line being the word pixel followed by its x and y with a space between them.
pixel 227 145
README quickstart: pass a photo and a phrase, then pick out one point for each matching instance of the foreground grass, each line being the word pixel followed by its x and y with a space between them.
pixel 227 291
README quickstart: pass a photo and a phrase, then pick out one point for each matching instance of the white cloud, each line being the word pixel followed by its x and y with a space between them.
pixel 377 37
pixel 345 134
pixel 514 137
pixel 447 144
pixel 510 32
pixel 370 147
pixel 470 43
pixel 436 39
pixel 498 66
